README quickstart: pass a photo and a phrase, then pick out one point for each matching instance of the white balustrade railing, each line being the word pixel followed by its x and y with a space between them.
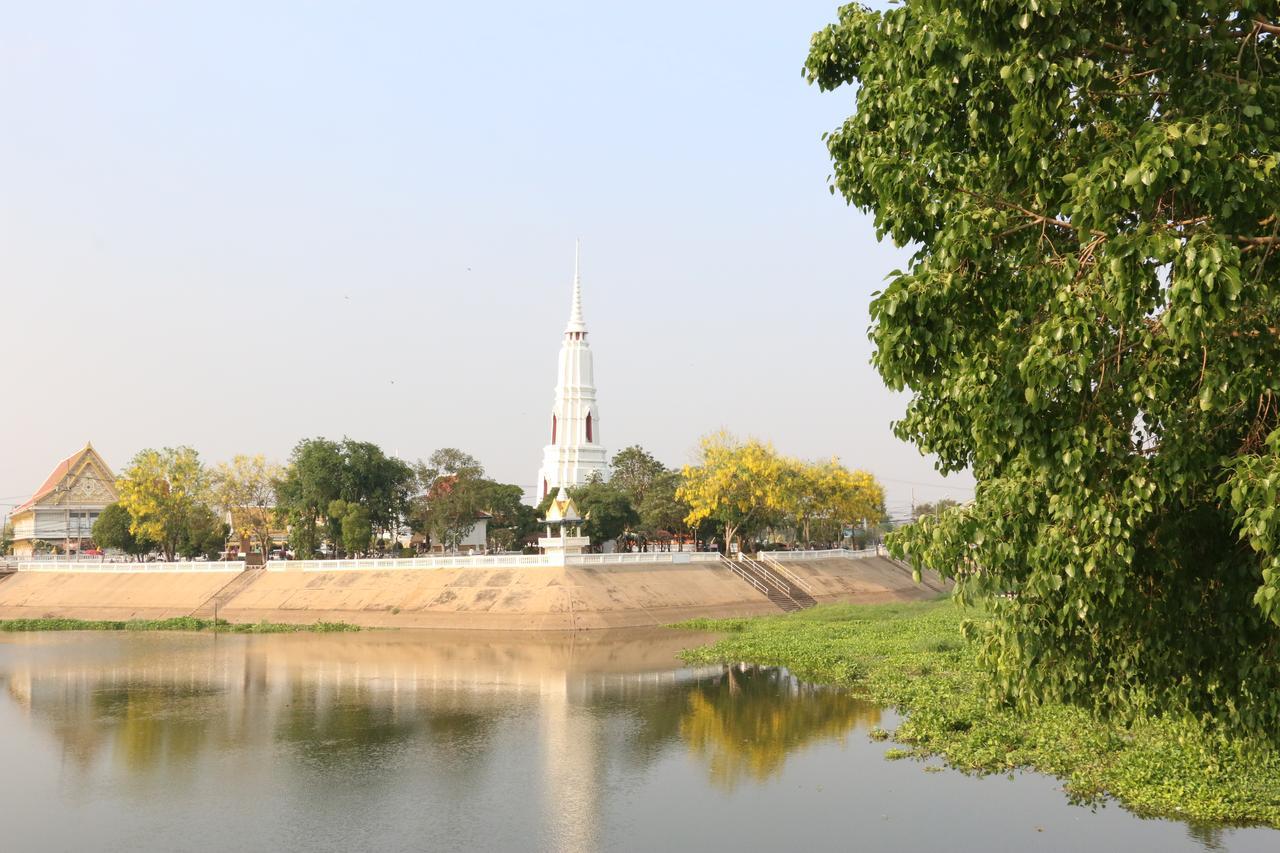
pixel 823 555
pixel 653 558
pixel 642 558
pixel 154 568
pixel 442 562
pixel 69 558
pixel 490 561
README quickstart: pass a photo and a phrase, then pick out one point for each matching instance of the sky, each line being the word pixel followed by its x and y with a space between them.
pixel 235 225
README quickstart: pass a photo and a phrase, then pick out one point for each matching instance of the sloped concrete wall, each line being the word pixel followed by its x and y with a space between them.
pixel 868 580
pixel 524 598
pixel 547 598
pixel 108 595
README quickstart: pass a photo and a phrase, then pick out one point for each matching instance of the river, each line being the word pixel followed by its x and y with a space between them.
pixel 451 741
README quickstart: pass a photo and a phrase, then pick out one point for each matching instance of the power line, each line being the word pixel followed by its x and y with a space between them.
pixel 927 485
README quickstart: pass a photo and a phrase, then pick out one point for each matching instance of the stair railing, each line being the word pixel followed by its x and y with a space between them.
pixel 733 567
pixel 762 571
pixel 772 562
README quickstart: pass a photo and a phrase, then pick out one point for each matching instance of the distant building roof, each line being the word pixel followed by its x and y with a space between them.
pixel 59 475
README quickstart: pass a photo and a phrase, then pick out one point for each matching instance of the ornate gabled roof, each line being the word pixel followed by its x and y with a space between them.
pixel 562 508
pixel 66 472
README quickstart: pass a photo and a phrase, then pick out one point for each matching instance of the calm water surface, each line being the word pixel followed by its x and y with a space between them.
pixel 419 741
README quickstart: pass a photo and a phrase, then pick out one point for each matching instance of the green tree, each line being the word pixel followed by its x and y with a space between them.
pixel 454 491
pixel 165 492
pixel 512 521
pixel 382 484
pixel 203 534
pixel 312 480
pixel 633 471
pixel 6 537
pixel 322 471
pixel 112 530
pixel 357 529
pixel 606 510
pixel 1087 323
pixel 661 510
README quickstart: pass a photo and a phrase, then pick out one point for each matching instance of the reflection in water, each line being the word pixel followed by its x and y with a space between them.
pixel 151 707
pixel 429 741
pixel 744 723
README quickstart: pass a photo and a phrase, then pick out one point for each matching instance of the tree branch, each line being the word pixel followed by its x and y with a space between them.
pixel 1266 26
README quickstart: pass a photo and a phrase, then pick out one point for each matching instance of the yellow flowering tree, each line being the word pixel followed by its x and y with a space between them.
pixel 166 492
pixel 245 488
pixel 739 484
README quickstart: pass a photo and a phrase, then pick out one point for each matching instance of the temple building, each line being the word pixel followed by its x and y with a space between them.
pixel 575 452
pixel 61 513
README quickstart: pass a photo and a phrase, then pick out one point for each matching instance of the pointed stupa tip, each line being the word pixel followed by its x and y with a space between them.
pixel 576 323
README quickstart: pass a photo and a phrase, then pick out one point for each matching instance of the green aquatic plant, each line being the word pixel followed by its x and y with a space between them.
pixel 912 657
pixel 176 623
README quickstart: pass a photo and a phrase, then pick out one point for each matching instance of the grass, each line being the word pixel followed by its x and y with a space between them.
pixel 177 623
pixel 912 657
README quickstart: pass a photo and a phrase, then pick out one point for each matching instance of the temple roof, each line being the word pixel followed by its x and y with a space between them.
pixel 562 508
pixel 60 474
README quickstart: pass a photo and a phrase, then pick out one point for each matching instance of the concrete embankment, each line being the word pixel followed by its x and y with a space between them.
pixel 866 580
pixel 547 598
pixel 108 595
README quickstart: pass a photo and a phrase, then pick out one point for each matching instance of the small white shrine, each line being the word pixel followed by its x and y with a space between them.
pixel 562 515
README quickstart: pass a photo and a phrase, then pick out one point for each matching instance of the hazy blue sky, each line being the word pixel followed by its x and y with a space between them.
pixel 233 225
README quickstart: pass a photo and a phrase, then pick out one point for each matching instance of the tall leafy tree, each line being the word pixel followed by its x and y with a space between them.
pixel 633 470
pixel 349 525
pixel 166 492
pixel 112 530
pixel 662 513
pixel 512 521
pixel 606 510
pixel 1088 324
pixel 355 472
pixel 454 494
pixel 382 484
pixel 203 534
pixel 312 480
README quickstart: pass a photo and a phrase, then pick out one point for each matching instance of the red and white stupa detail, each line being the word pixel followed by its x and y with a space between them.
pixel 575 451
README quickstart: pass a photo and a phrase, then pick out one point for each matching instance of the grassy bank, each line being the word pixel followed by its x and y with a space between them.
pixel 178 623
pixel 911 656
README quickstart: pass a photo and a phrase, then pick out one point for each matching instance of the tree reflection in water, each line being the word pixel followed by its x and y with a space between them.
pixel 746 723
pixel 158 718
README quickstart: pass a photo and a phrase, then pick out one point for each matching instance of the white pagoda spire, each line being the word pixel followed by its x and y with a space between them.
pixel 576 323
pixel 575 452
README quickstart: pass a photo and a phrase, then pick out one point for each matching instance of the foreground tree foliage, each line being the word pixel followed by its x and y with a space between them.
pixel 1089 323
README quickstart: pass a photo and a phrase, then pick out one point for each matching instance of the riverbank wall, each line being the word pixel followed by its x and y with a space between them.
pixel 465 595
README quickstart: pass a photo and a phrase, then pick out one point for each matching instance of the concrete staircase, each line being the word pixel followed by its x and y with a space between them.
pixel 783 592
pixel 217 602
